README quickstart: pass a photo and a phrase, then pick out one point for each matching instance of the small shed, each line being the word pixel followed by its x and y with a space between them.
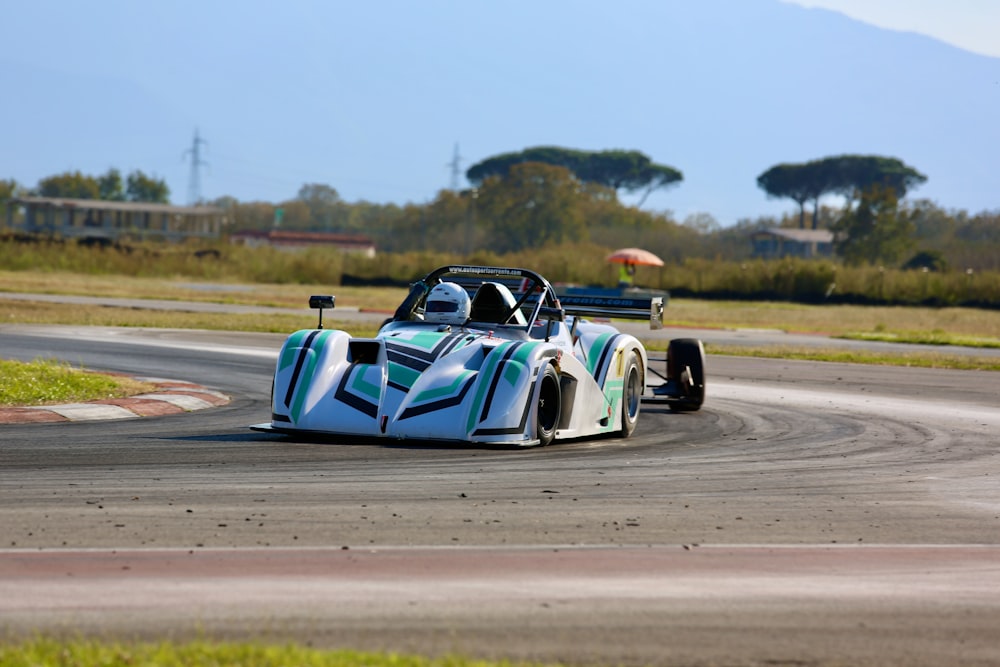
pixel 294 240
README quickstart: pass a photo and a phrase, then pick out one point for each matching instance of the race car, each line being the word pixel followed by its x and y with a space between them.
pixel 480 354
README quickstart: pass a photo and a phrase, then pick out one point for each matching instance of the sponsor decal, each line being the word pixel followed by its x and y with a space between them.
pixel 605 302
pixel 485 271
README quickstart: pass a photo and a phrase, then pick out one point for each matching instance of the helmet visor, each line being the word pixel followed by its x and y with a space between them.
pixel 441 307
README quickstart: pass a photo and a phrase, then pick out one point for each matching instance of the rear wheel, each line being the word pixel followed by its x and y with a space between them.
pixel 686 365
pixel 632 387
pixel 549 406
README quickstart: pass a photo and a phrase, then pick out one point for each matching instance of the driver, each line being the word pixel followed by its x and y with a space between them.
pixel 447 303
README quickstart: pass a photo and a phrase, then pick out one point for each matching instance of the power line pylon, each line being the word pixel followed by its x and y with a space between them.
pixel 194 180
pixel 456 168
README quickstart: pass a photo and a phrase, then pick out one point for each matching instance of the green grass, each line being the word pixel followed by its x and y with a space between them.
pixel 45 652
pixel 834 320
pixel 917 359
pixel 46 381
pixel 937 337
pixel 195 289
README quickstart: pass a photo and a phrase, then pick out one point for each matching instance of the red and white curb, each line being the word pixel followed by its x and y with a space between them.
pixel 170 397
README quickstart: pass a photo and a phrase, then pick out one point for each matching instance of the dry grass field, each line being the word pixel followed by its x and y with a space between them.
pixel 834 320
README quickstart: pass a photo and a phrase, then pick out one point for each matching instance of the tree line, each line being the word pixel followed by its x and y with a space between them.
pixel 552 196
pixel 850 176
pixel 109 186
pixel 630 171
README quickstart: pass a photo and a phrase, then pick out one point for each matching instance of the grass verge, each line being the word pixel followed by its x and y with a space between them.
pixel 834 320
pixel 906 359
pixel 34 312
pixel 925 338
pixel 44 652
pixel 47 382
pixel 185 289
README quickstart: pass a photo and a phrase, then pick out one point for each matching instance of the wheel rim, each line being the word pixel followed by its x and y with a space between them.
pixel 632 393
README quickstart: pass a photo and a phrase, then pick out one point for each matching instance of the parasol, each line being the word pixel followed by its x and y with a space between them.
pixel 635 256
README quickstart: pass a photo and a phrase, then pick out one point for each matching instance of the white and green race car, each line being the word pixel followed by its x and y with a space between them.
pixel 480 354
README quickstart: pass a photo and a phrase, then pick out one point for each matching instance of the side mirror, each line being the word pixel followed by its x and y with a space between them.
pixel 319 303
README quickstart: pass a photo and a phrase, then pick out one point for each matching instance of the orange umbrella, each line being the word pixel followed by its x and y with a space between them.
pixel 634 256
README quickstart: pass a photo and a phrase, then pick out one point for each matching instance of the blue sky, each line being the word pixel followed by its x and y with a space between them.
pixel 371 97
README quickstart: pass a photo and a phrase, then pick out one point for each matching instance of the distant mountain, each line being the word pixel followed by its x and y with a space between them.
pixel 370 98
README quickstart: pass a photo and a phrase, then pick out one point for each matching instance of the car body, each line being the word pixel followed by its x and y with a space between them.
pixel 524 369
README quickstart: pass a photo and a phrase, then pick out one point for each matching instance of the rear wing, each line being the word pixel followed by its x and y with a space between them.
pixel 621 307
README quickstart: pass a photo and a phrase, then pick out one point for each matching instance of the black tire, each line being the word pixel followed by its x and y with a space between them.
pixel 549 406
pixel 632 386
pixel 687 353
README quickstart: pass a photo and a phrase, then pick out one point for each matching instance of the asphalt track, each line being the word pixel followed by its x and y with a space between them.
pixel 811 514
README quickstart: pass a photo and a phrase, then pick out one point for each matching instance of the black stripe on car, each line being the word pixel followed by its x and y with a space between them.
pixel 599 368
pixel 508 431
pixel 418 358
pixel 439 405
pixel 497 374
pixel 353 400
pixel 299 363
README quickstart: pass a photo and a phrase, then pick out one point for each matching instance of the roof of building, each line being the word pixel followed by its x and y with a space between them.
pixel 288 237
pixel 107 205
pixel 799 235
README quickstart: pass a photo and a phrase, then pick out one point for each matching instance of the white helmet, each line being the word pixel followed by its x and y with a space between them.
pixel 447 303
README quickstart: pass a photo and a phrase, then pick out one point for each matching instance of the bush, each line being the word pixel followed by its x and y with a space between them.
pixel 806 281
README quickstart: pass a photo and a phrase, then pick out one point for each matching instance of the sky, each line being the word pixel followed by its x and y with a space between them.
pixel 372 97
pixel 973 25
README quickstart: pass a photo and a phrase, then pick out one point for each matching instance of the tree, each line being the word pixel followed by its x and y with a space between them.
pixel 843 174
pixel 533 205
pixel 931 260
pixel 790 181
pixel 874 231
pixel 75 185
pixel 142 188
pixel 9 189
pixel 323 202
pixel 70 185
pixel 703 223
pixel 227 202
pixel 849 175
pixel 656 176
pixel 110 186
pixel 446 225
pixel 616 170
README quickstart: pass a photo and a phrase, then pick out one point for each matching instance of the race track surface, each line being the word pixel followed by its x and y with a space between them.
pixel 809 514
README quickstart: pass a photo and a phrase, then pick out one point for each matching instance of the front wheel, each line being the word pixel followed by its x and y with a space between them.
pixel 548 407
pixel 632 385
